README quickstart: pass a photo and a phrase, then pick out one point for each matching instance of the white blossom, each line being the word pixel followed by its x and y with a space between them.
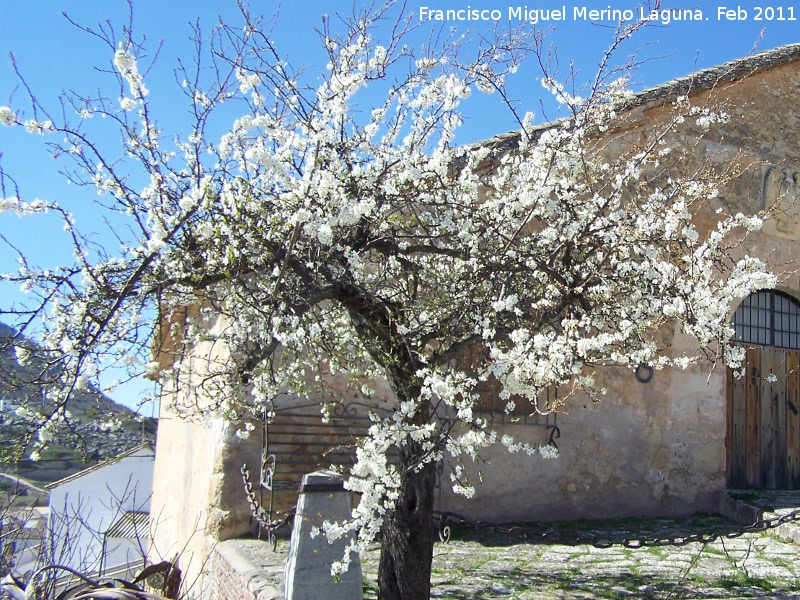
pixel 127 104
pixel 7 116
pixel 127 67
pixel 38 127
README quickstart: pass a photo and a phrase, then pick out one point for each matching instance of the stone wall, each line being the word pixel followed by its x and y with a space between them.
pixel 198 494
pixel 246 570
pixel 646 449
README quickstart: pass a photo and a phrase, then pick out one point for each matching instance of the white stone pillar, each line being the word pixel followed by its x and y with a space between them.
pixel 308 568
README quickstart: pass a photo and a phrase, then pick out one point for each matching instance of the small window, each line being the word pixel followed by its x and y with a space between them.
pixel 768 318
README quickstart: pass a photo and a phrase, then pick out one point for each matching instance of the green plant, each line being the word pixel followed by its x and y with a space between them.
pixel 741 579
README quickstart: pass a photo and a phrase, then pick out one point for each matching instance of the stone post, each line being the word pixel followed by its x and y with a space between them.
pixel 308 568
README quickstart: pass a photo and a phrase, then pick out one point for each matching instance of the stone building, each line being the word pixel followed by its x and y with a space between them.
pixel 661 443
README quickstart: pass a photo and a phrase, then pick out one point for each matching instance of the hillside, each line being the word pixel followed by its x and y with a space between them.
pixel 87 440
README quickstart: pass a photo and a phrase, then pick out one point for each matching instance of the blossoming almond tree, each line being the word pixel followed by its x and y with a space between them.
pixel 339 238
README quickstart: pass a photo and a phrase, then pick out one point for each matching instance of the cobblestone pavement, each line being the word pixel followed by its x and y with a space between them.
pixel 548 562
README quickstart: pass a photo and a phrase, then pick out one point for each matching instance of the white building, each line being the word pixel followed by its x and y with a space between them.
pixel 99 517
pixel 21 536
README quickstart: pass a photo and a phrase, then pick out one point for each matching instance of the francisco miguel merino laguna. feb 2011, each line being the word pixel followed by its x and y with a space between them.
pixel 561 13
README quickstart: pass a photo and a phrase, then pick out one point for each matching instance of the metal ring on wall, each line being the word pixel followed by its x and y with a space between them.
pixel 644 373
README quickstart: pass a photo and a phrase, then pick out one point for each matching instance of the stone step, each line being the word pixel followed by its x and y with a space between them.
pixel 749 506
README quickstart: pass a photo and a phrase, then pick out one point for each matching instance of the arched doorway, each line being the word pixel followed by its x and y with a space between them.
pixel 763 441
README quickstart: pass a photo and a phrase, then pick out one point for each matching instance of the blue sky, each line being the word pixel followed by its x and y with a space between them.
pixel 54 55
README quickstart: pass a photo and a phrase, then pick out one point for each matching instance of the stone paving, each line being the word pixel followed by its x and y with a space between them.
pixel 556 561
pixel 545 562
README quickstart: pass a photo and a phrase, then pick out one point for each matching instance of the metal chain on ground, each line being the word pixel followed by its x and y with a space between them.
pixel 447 520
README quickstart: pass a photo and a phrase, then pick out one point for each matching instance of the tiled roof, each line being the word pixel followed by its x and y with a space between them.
pixel 23 523
pixel 729 71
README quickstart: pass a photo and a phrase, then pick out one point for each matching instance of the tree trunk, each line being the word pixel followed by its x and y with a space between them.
pixel 404 572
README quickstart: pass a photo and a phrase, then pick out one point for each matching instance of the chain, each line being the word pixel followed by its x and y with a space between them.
pixel 263 517
pixel 446 522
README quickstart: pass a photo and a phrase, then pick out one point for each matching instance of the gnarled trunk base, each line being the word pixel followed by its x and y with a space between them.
pixel 404 572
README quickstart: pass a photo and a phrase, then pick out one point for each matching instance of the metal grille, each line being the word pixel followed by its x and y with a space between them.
pixel 768 318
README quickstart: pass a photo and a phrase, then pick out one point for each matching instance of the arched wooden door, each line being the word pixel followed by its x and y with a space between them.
pixel 763 441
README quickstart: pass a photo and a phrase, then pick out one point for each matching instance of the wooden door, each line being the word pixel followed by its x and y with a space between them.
pixel 763 441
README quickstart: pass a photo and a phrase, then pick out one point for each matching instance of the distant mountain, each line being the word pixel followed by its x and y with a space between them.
pixel 87 440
